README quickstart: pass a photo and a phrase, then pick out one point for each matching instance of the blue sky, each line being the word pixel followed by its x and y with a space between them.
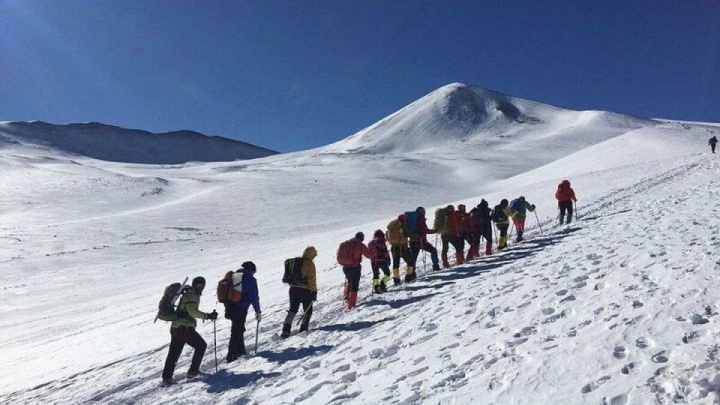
pixel 291 75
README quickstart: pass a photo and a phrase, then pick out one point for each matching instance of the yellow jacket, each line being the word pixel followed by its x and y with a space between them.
pixel 307 271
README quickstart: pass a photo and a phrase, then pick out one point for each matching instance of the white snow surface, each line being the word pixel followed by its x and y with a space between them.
pixel 619 307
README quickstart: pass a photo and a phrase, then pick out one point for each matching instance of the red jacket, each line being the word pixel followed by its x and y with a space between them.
pixel 422 230
pixel 379 248
pixel 465 221
pixel 565 192
pixel 453 223
pixel 358 251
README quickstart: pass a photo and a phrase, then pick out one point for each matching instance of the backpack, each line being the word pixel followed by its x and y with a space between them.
pixel 166 307
pixel 293 271
pixel 441 221
pixel 344 253
pixel 411 222
pixel 517 205
pixel 394 234
pixel 229 288
pixel 498 214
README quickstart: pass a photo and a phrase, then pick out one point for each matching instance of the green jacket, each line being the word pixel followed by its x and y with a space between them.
pixel 522 212
pixel 189 303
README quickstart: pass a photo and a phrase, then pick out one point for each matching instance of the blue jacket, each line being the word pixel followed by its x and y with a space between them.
pixel 250 294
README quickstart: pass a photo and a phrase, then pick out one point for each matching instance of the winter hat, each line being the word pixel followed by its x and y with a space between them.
pixel 379 234
pixel 504 202
pixel 360 236
pixel 522 198
pixel 450 208
pixel 420 211
pixel 310 252
pixel 461 207
pixel 401 217
pixel 249 266
pixel 198 281
pixel 483 204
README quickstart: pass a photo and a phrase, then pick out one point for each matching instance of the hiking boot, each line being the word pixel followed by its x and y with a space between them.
pixel 383 288
pixel 286 331
pixel 194 373
pixel 166 382
pixel 376 289
pixel 396 281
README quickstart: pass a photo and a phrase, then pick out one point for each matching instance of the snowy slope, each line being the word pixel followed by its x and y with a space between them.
pixel 87 247
pixel 107 142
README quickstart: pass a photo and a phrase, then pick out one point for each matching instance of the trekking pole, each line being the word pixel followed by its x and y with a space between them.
pixel 215 339
pixel 576 213
pixel 422 245
pixel 304 315
pixel 257 332
pixel 538 221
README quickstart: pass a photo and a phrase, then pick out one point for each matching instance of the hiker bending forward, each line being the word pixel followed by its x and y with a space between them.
pixel 304 292
pixel 182 331
pixel 352 271
pixel 237 312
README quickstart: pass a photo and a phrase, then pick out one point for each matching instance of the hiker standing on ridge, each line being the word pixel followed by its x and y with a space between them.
pixel 303 292
pixel 381 261
pixel 397 235
pixel 712 142
pixel 182 331
pixel 467 231
pixel 483 227
pixel 565 196
pixel 502 222
pixel 518 212
pixel 237 311
pixel 418 241
pixel 349 256
pixel 446 222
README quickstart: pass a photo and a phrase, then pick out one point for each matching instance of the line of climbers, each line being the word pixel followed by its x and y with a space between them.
pixel 407 236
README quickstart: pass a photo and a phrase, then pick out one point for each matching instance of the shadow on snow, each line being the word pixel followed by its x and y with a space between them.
pixel 352 326
pixel 397 303
pixel 292 353
pixel 225 380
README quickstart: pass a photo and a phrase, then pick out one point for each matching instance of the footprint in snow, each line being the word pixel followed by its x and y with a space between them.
pixel 548 311
pixel 629 368
pixel 642 343
pixel 568 298
pixel 660 357
pixel 637 304
pixel 561 292
pixel 691 337
pixel 699 320
pixel 594 385
pixel 619 352
pixel 581 278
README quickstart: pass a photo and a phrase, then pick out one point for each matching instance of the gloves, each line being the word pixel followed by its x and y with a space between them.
pixel 258 316
pixel 533 206
pixel 314 295
pixel 212 315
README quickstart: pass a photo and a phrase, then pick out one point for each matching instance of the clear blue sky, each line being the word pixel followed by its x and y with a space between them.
pixel 291 75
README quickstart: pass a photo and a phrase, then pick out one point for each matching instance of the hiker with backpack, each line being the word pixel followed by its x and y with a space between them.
pixel 397 236
pixel 349 256
pixel 236 309
pixel 500 216
pixel 480 216
pixel 712 142
pixel 446 224
pixel 418 241
pixel 518 211
pixel 182 331
pixel 303 290
pixel 381 261
pixel 467 231
pixel 565 196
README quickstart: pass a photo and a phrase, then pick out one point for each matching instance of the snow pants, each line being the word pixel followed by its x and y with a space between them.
pixel 298 296
pixel 178 338
pixel 417 246
pixel 400 251
pixel 352 275
pixel 566 206
pixel 456 241
pixel 236 348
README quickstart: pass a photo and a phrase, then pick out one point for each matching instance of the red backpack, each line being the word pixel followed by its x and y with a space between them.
pixel 229 290
pixel 344 253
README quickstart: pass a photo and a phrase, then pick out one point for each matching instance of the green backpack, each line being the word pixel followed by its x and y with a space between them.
pixel 441 221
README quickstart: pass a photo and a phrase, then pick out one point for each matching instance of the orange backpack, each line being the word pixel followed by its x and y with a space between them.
pixel 229 288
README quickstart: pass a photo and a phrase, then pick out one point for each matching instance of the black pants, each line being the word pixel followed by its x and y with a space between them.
pixel 352 274
pixel 456 241
pixel 566 206
pixel 712 146
pixel 417 246
pixel 503 229
pixel 299 295
pixel 400 251
pixel 178 338
pixel 377 266
pixel 236 348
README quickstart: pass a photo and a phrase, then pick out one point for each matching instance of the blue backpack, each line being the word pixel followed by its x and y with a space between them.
pixel 411 222
pixel 517 205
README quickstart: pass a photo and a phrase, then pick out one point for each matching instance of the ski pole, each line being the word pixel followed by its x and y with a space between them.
pixel 215 339
pixel 538 221
pixel 257 331
pixel 302 318
pixel 576 212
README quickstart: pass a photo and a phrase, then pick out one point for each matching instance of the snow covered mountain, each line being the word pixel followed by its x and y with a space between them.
pixel 617 308
pixel 107 142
